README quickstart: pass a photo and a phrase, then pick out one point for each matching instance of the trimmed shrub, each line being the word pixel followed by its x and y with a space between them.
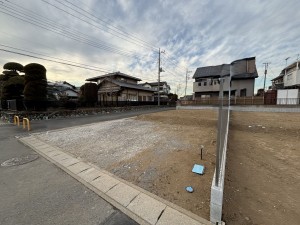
pixel 13 66
pixel 13 88
pixel 35 91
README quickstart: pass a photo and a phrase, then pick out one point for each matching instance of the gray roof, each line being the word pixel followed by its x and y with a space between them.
pixel 241 69
pixel 113 74
pixel 129 85
pixel 278 77
pixel 212 71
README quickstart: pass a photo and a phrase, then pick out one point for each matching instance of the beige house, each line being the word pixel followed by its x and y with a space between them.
pixel 117 88
pixel 288 78
pixel 242 79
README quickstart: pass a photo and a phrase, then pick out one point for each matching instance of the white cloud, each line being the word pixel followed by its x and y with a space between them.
pixel 193 33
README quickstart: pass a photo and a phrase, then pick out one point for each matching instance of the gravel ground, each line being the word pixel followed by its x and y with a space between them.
pixel 154 151
pixel 109 142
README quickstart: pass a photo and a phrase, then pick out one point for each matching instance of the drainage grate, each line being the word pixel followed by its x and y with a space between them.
pixel 20 160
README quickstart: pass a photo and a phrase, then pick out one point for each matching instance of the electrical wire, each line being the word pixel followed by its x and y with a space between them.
pixel 6 46
pixel 113 28
pixel 58 30
pixel 55 6
pixel 55 61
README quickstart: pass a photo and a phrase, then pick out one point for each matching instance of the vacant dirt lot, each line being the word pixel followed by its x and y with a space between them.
pixel 154 151
pixel 157 152
pixel 263 169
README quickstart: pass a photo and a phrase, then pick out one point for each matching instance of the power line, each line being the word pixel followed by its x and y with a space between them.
pixel 114 28
pixel 96 67
pixel 50 60
pixel 59 30
pixel 175 61
pixel 55 6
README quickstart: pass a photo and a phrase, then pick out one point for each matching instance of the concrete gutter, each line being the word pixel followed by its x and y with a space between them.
pixel 139 204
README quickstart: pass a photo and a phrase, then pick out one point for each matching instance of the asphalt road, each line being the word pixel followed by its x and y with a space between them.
pixel 38 192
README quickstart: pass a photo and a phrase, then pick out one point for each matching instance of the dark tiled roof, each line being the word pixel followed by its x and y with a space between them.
pixel 155 83
pixel 129 85
pixel 212 71
pixel 113 74
pixel 241 69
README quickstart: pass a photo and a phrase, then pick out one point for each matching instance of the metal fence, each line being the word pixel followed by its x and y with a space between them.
pixel 255 100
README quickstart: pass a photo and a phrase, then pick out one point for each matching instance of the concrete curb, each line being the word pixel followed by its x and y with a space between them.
pixel 139 204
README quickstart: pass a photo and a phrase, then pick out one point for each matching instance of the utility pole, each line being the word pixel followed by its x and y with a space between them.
pixel 158 83
pixel 186 78
pixel 266 70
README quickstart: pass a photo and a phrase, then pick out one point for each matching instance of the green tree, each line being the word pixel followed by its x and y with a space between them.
pixel 13 88
pixel 11 84
pixel 35 90
pixel 13 66
pixel 89 94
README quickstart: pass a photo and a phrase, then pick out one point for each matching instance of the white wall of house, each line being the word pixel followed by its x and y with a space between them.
pixel 147 85
pixel 292 77
pixel 211 85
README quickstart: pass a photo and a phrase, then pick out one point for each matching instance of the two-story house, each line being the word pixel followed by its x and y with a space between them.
pixel 164 89
pixel 289 78
pixel 120 87
pixel 241 83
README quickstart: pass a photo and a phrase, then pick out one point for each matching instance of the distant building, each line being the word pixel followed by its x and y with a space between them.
pixel 61 89
pixel 164 89
pixel 289 78
pixel 119 87
pixel 242 81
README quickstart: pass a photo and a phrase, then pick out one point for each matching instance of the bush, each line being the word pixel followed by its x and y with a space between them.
pixel 13 88
pixel 34 68
pixel 89 94
pixel 35 91
pixel 10 73
pixel 13 66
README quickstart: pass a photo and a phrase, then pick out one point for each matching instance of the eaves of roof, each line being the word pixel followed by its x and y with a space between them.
pixel 129 85
pixel 113 74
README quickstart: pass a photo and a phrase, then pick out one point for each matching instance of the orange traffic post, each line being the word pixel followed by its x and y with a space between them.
pixel 26 120
pixel 17 120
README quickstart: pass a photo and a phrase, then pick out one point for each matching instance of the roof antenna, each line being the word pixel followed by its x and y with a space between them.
pixel 286 61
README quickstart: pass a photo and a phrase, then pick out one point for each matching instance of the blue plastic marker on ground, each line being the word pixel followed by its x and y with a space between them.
pixel 189 189
pixel 199 169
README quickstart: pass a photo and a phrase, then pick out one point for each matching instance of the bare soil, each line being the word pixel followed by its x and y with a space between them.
pixel 157 152
pixel 154 151
pixel 167 173
pixel 263 169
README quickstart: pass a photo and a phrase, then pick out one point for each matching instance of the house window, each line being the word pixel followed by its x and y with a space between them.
pixel 205 83
pixel 215 82
pixel 243 92
pixel 199 84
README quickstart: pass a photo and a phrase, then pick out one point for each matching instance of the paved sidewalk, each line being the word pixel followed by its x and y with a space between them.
pixel 140 205
pixel 40 193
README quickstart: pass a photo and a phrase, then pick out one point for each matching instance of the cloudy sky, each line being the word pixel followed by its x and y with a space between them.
pixel 125 35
